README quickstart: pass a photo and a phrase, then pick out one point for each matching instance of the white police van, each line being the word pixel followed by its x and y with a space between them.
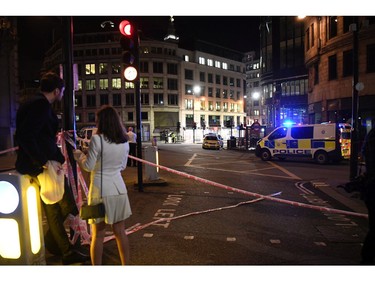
pixel 320 142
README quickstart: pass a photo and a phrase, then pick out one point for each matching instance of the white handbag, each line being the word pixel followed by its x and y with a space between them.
pixel 51 183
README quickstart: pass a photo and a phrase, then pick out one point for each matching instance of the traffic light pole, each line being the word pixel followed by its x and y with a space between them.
pixel 354 134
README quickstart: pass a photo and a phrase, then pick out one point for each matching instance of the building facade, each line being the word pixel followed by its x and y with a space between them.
pixel 284 77
pixel 329 46
pixel 254 100
pixel 179 87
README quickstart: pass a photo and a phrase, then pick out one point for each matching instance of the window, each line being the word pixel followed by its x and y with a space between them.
pixel 202 60
pixel 210 62
pixel 157 67
pixel 210 78
pixel 218 106
pixel 90 69
pixel 302 132
pixel 189 74
pixel 116 99
pixel 158 83
pixel 225 94
pixel 90 100
pixel 225 80
pixel 347 63
pixel 278 134
pixel 103 99
pixel 217 64
pixel 130 116
pixel 103 68
pixel 218 79
pixel 116 83
pixel 129 85
pixel 214 121
pixel 172 84
pixel 225 65
pixel 210 105
pixel 332 27
pixel 91 117
pixel 145 98
pixel 144 82
pixel 172 99
pixel 186 58
pixel 172 68
pixel 129 99
pixel 143 66
pixel 202 76
pixel 116 68
pixel 103 84
pixel 218 93
pixel 332 67
pixel 90 85
pixel 210 92
pixel 78 101
pixel 188 104
pixel 144 115
pixel 158 99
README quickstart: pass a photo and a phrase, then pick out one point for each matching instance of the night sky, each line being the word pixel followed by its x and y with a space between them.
pixel 235 32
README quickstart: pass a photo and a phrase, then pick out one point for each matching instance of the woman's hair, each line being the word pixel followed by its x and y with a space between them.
pixel 109 124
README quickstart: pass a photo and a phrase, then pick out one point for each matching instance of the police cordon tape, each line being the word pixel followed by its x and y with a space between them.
pixel 257 195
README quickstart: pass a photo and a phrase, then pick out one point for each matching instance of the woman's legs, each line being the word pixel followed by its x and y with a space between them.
pixel 97 239
pixel 122 241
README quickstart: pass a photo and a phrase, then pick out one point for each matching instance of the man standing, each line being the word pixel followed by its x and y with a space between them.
pixel 133 146
pixel 368 152
pixel 36 129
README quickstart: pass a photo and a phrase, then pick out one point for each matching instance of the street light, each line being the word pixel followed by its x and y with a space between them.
pixel 196 91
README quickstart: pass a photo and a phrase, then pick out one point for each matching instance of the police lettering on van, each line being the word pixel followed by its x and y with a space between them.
pixel 317 141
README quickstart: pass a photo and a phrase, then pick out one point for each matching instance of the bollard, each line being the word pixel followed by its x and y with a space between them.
pixel 151 155
pixel 21 232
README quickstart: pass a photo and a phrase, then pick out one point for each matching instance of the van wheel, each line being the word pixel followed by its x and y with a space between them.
pixel 265 155
pixel 321 157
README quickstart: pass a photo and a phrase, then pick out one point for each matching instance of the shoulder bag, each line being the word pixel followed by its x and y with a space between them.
pixel 98 210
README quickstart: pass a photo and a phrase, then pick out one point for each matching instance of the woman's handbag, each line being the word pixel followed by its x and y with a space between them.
pixel 98 210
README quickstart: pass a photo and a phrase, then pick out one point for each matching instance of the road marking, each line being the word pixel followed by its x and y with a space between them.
pixel 285 171
pixel 189 237
pixel 148 235
pixel 320 243
pixel 231 239
pixel 300 186
pixel 275 241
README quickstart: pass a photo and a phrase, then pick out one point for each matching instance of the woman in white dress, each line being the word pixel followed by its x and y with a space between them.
pixel 111 142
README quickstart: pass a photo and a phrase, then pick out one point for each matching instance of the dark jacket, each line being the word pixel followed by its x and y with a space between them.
pixel 36 129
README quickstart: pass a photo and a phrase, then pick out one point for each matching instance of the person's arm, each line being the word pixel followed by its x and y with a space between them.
pixel 88 162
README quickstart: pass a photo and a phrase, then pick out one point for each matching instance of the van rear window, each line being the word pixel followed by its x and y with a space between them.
pixel 302 132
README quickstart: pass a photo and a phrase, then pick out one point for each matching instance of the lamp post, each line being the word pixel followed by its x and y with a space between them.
pixel 196 91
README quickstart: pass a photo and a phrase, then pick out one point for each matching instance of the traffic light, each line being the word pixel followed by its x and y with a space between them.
pixel 130 50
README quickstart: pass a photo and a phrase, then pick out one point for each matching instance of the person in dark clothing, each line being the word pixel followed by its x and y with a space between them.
pixel 368 195
pixel 36 129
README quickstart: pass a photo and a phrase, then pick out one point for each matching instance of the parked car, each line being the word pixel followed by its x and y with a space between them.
pixel 221 141
pixel 84 137
pixel 211 142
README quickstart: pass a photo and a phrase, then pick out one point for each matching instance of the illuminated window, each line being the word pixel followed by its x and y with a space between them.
pixel 103 68
pixel 218 106
pixel 90 69
pixel 202 60
pixel 217 64
pixel 210 62
pixel 186 58
pixel 116 83
pixel 225 65
pixel 90 85
pixel 103 84
pixel 144 82
pixel 158 83
pixel 129 85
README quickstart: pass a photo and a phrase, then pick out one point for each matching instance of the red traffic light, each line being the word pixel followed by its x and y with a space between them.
pixel 126 28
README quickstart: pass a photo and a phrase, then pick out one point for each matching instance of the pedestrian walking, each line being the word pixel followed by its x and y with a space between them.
pixel 133 146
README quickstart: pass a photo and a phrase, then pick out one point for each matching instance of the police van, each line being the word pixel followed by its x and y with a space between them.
pixel 320 142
